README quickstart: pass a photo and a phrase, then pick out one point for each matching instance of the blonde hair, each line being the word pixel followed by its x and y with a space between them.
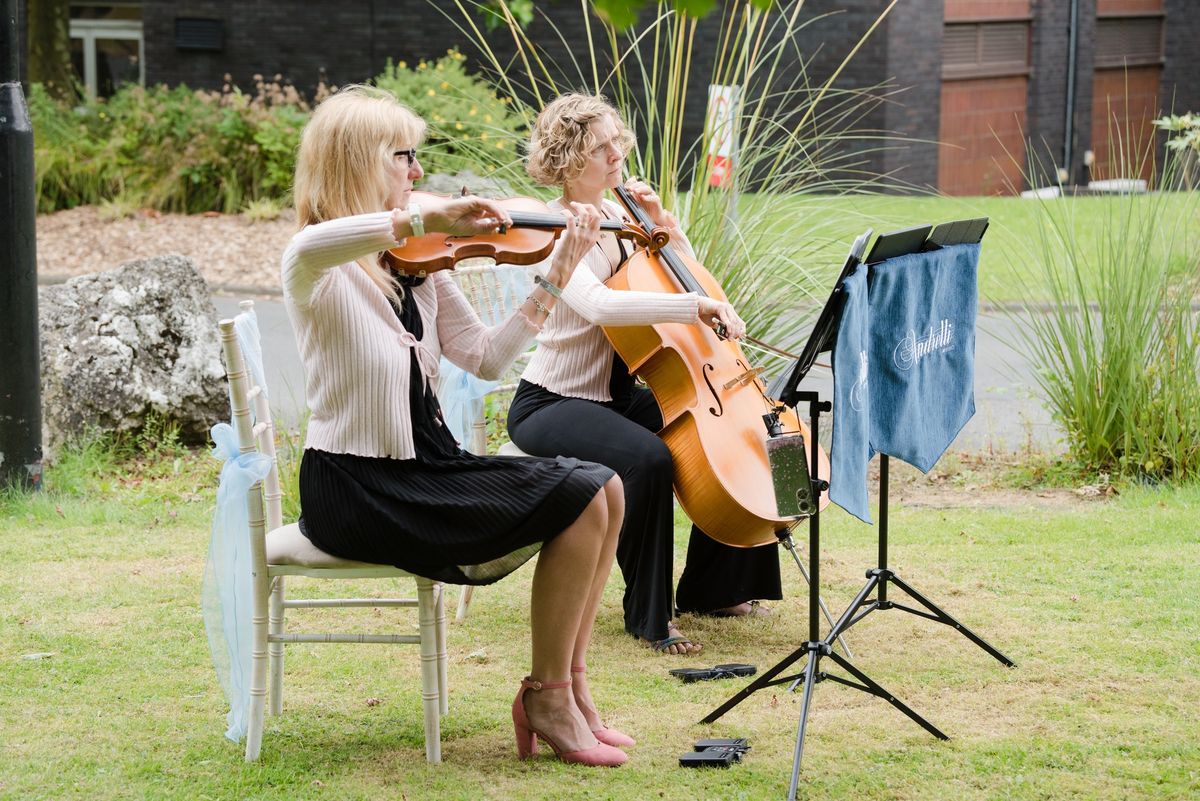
pixel 562 137
pixel 345 153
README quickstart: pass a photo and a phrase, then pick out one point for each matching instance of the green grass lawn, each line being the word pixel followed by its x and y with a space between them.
pixel 1010 267
pixel 1097 602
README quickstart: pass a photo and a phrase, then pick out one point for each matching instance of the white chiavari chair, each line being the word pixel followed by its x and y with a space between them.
pixel 279 551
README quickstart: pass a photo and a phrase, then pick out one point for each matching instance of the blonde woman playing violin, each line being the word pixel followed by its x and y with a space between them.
pixel 576 398
pixel 381 479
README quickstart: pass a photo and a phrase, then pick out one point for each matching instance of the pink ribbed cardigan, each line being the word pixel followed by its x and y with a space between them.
pixel 573 357
pixel 356 353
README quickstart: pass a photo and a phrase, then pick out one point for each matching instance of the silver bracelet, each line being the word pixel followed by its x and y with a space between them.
pixel 542 307
pixel 555 291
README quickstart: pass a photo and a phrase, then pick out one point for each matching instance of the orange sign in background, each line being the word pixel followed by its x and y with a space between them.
pixel 722 123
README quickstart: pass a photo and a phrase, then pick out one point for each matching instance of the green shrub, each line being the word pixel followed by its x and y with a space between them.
pixel 175 149
pixel 470 125
pixel 68 168
pixel 171 149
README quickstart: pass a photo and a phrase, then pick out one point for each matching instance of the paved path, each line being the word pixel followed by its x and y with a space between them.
pixel 1009 412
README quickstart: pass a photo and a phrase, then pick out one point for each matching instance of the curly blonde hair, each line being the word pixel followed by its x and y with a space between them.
pixel 562 137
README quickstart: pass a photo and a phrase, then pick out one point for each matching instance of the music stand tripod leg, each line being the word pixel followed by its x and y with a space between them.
pixel 785 537
pixel 810 680
pixel 764 680
pixel 871 686
pixel 882 575
pixel 940 615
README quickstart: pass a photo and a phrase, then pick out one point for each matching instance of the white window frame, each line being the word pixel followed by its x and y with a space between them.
pixel 89 30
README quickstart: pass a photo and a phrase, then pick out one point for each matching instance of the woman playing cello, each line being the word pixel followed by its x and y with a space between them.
pixel 576 397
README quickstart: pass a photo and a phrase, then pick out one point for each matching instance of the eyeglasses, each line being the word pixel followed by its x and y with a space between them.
pixel 410 154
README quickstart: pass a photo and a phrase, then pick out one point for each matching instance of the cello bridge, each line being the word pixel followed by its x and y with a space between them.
pixel 745 378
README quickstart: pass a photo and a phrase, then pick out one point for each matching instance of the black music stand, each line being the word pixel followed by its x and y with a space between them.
pixel 786 390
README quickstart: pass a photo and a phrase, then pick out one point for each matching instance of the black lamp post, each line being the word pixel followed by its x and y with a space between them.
pixel 20 358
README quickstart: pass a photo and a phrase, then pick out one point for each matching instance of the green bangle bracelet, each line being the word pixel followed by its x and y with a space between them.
pixel 555 291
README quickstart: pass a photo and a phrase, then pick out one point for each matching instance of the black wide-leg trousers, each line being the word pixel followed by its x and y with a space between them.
pixel 620 435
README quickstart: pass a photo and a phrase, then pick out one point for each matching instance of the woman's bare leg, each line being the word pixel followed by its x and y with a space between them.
pixel 614 494
pixel 567 563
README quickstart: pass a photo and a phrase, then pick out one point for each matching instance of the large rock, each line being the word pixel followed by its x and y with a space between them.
pixel 440 183
pixel 120 345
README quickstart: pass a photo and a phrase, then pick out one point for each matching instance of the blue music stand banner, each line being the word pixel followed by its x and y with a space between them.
pixel 904 365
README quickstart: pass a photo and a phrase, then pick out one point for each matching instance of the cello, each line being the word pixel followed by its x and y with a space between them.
pixel 712 400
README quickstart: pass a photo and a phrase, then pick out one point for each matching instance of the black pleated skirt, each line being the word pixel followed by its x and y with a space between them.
pixel 463 519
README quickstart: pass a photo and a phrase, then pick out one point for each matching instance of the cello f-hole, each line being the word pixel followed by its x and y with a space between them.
pixel 719 409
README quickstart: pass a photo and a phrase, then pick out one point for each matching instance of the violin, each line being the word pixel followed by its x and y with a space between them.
pixel 529 240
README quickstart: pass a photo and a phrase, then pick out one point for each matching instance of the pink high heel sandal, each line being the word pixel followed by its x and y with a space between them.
pixel 604 734
pixel 599 755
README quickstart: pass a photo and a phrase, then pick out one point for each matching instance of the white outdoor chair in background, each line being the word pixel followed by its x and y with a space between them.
pixel 493 291
pixel 279 550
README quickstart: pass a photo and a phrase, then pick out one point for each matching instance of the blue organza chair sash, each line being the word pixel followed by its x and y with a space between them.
pixel 227 591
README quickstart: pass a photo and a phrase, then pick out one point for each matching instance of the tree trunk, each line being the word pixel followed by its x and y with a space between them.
pixel 50 47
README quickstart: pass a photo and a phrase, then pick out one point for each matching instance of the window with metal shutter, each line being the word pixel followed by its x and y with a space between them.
pixel 960 46
pixel 978 49
pixel 1129 41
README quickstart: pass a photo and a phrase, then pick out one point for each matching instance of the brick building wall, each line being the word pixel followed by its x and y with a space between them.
pixel 914 63
pixel 352 40
pixel 902 60
pixel 1049 56
pixel 359 37
pixel 355 40
pixel 828 31
pixel 1181 70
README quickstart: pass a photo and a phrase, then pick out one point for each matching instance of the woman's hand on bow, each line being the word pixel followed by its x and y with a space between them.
pixel 465 216
pixel 718 314
pixel 649 200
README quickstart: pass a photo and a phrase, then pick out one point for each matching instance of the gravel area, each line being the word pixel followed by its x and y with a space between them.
pixel 232 252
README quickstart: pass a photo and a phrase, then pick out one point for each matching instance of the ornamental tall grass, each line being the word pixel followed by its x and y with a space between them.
pixel 793 137
pixel 1117 348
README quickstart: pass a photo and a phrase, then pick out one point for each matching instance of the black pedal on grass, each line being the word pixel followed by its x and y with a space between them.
pixel 689 675
pixel 715 753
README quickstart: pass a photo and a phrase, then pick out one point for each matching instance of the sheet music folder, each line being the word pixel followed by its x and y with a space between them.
pixel 917 239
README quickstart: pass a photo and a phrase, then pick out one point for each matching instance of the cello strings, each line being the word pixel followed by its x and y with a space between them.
pixel 769 348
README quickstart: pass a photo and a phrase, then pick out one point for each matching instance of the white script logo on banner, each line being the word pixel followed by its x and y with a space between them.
pixel 910 350
pixel 858 392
